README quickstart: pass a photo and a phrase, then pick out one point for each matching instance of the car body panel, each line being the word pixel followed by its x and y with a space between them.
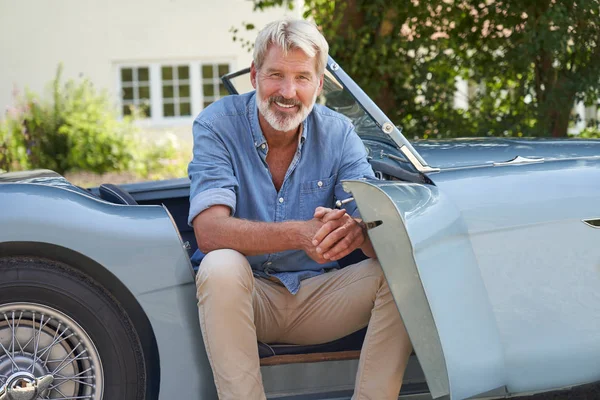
pixel 510 272
pixel 540 263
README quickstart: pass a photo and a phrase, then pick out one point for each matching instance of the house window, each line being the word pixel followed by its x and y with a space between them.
pixel 176 101
pixel 212 87
pixel 171 92
pixel 135 90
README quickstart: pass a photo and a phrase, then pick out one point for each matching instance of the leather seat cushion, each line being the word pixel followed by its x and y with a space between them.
pixel 351 342
pixel 114 194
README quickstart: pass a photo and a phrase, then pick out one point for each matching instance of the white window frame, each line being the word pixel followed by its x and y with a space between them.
pixel 214 80
pixel 134 85
pixel 196 82
pixel 175 82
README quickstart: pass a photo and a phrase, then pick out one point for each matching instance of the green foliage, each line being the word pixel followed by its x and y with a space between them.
pixel 527 61
pixel 589 133
pixel 13 154
pixel 76 129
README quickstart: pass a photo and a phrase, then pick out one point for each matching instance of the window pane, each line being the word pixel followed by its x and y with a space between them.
pixel 167 73
pixel 223 69
pixel 184 90
pixel 209 90
pixel 207 103
pixel 207 71
pixel 126 75
pixel 183 72
pixel 168 92
pixel 143 74
pixel 185 109
pixel 223 91
pixel 169 110
pixel 126 110
pixel 128 93
pixel 144 92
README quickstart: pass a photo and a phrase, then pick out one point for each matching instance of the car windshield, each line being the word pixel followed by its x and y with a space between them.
pixel 339 99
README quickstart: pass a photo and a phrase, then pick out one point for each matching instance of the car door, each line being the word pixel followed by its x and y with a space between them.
pixel 424 249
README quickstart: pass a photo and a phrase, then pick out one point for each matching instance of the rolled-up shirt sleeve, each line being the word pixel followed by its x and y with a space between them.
pixel 211 173
pixel 354 165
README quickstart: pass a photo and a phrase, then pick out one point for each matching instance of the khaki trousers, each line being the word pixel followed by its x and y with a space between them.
pixel 236 310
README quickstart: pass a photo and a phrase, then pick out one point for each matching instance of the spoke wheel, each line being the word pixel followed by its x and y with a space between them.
pixel 37 340
pixel 57 322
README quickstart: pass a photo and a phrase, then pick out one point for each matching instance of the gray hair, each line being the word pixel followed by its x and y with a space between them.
pixel 289 35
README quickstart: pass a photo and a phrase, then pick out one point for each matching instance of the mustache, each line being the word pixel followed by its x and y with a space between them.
pixel 283 100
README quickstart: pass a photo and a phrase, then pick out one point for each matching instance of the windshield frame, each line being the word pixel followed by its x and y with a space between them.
pixel 382 121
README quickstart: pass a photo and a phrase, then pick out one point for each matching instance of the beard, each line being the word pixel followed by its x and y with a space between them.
pixel 284 121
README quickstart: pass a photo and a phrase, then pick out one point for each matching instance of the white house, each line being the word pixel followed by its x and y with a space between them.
pixel 163 55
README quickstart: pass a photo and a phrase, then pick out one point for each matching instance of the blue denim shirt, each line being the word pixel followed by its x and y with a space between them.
pixel 229 168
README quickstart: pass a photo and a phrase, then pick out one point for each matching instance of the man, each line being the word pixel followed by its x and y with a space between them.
pixel 267 166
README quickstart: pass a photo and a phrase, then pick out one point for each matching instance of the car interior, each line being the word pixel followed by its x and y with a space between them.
pixel 270 353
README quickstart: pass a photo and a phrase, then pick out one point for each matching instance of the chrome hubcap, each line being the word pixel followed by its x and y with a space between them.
pixel 38 341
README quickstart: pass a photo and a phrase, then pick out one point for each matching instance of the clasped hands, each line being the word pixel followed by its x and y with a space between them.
pixel 336 234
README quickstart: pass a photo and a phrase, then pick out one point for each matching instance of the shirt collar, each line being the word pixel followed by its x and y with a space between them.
pixel 257 134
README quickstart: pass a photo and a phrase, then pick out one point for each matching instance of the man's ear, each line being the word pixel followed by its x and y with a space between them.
pixel 253 74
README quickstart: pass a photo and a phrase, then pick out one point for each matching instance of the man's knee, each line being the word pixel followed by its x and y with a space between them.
pixel 224 270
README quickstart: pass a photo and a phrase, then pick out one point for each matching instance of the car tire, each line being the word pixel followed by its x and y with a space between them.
pixel 99 348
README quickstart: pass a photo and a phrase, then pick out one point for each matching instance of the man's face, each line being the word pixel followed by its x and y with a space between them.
pixel 286 87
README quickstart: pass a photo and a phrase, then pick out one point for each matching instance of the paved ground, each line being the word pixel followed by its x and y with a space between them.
pixel 586 392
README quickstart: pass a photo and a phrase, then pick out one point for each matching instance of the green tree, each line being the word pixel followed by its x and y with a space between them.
pixel 528 61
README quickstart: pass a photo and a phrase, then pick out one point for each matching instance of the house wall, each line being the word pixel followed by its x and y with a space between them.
pixel 94 38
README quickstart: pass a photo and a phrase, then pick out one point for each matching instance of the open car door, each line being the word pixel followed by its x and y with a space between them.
pixel 425 252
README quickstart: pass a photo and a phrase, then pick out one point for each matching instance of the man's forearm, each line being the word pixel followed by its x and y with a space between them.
pixel 249 237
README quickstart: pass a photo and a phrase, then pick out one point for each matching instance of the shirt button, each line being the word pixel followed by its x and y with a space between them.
pixel 281 199
pixel 262 146
pixel 320 183
pixel 269 263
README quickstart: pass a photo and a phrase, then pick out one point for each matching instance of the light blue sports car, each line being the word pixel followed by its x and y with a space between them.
pixel 491 248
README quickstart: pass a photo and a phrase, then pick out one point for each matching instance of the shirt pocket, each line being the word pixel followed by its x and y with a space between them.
pixel 316 193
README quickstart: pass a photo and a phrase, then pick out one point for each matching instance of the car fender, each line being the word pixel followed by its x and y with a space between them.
pixel 140 247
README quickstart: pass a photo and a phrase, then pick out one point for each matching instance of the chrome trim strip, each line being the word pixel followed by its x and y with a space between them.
pixel 518 160
pixel 415 161
pixel 546 161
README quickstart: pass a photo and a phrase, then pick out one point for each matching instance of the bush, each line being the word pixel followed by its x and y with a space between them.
pixel 589 133
pixel 13 155
pixel 77 129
